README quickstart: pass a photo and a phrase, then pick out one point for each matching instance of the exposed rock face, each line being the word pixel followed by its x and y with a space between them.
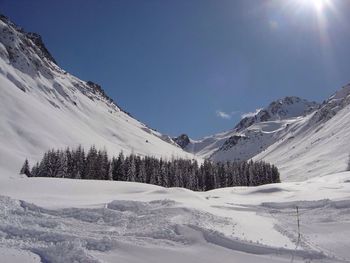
pixel 35 38
pixel 329 108
pixel 232 141
pixel 183 140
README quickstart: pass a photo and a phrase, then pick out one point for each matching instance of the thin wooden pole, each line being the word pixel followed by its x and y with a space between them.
pixel 298 220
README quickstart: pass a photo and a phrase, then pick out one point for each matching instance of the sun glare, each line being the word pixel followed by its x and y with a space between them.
pixel 319 5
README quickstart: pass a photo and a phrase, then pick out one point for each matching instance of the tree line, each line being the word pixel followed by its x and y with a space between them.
pixel 95 164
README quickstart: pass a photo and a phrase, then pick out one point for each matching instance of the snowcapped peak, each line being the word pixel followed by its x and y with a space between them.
pixel 287 107
pixel 10 31
pixel 290 107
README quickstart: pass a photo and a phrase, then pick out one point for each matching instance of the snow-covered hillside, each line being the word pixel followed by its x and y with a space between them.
pixel 319 144
pixel 42 106
pixel 303 139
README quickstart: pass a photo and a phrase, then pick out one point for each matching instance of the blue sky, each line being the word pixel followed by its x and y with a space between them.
pixel 195 67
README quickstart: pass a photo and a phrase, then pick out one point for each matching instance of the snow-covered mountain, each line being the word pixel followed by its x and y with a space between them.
pixel 266 122
pixel 304 139
pixel 43 106
pixel 317 144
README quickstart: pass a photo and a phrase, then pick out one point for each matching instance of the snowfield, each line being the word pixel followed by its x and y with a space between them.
pixel 64 220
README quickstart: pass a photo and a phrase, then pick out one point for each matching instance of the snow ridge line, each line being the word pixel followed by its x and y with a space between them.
pixel 219 239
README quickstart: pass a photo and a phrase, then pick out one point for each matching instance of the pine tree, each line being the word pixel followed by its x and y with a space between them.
pixel 35 170
pixel 91 164
pixel 79 163
pixel 105 165
pixel 62 166
pixel 131 169
pixel 142 171
pixel 25 169
pixel 118 170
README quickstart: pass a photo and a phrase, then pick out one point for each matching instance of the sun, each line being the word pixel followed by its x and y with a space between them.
pixel 319 5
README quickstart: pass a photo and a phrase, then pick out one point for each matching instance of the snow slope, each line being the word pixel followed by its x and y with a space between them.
pixel 42 106
pixel 303 139
pixel 59 220
pixel 318 145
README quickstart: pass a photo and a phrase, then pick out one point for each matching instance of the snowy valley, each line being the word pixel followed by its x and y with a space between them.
pixel 66 220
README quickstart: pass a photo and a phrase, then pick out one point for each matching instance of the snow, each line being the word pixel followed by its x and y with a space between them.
pixel 18 256
pixel 44 107
pixel 301 140
pixel 65 220
pixel 307 151
pixel 62 220
pixel 259 131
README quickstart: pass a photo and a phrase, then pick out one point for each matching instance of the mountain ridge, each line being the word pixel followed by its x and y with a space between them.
pixel 270 135
pixel 43 106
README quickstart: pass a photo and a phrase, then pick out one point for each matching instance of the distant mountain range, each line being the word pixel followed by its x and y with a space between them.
pixel 42 106
pixel 304 139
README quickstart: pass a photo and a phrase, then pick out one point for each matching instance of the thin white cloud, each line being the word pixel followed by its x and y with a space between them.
pixel 225 115
pixel 250 114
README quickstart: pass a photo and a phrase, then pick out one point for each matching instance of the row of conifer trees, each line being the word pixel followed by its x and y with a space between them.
pixel 95 164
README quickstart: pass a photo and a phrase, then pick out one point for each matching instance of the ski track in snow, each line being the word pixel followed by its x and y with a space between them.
pixel 76 234
pixel 57 220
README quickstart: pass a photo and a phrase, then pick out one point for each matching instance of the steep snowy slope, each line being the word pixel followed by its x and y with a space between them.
pixel 318 145
pixel 42 106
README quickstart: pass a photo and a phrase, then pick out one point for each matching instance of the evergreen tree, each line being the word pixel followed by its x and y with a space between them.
pixel 131 169
pixel 25 169
pixel 91 167
pixel 118 171
pixel 35 170
pixel 62 165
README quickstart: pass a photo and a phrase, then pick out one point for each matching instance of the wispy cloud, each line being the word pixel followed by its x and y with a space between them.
pixel 250 114
pixel 225 115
